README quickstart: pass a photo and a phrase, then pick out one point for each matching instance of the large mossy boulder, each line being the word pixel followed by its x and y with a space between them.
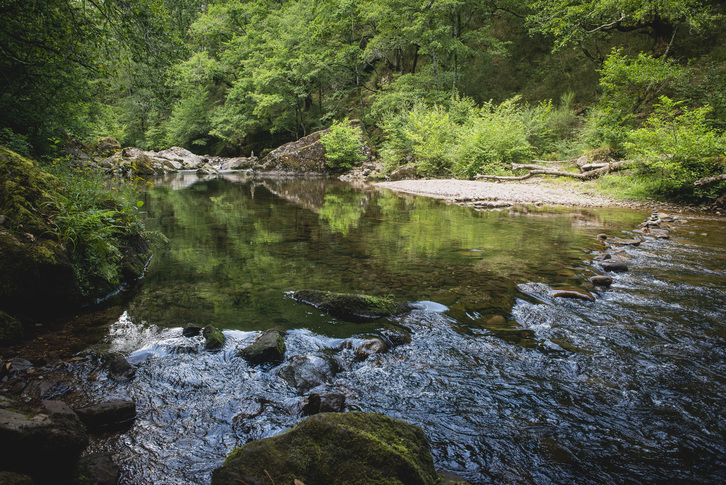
pixel 36 267
pixel 352 448
pixel 351 306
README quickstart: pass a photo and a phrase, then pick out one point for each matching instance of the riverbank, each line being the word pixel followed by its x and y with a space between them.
pixel 527 192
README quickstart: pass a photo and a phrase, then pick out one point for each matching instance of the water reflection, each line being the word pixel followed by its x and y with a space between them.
pixel 509 387
pixel 235 246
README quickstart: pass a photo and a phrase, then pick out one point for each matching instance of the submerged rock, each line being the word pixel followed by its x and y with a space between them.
pixel 305 372
pixel 214 338
pixel 333 402
pixel 348 448
pixel 348 305
pixel 269 347
pixel 108 415
pixel 572 294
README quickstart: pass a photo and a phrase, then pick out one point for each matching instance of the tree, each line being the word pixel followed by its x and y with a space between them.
pixel 587 23
pixel 56 57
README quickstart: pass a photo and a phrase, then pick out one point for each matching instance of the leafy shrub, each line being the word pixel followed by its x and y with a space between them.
pixel 496 136
pixel 674 140
pixel 458 139
pixel 342 145
pixel 678 146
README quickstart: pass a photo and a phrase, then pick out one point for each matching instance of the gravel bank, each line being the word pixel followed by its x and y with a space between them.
pixel 523 192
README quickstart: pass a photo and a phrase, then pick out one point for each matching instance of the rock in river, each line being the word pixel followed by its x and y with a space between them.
pixel 601 280
pixel 214 338
pixel 615 265
pixel 348 448
pixel 351 306
pixel 44 446
pixel 370 347
pixel 108 415
pixel 308 371
pixel 268 348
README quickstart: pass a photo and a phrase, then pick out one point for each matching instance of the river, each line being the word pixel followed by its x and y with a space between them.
pixel 509 386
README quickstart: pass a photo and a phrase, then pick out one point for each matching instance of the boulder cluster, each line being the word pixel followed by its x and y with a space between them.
pixel 612 260
pixel 306 156
pixel 42 438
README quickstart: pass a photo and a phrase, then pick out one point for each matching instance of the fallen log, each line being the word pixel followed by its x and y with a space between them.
pixel 538 170
pixel 593 166
pixel 710 180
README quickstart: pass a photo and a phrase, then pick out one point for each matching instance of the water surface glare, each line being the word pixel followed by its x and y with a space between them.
pixel 509 387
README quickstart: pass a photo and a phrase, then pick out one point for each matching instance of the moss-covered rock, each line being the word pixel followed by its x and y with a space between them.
pixel 351 306
pixel 48 263
pixel 214 338
pixel 35 265
pixel 348 448
pixel 268 348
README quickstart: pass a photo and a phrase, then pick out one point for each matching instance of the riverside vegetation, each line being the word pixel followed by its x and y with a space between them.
pixel 453 88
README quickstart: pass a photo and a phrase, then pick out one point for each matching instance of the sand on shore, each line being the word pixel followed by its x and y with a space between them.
pixel 538 192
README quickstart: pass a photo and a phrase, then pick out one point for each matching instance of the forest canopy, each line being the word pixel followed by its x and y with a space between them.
pixel 455 87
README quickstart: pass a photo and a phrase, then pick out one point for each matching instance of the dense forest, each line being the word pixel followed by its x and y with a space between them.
pixel 454 87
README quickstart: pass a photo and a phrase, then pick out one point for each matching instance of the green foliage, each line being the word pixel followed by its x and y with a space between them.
pixel 675 141
pixel 585 23
pixel 460 139
pixel 57 58
pixel 496 137
pixel 95 219
pixel 342 145
pixel 17 143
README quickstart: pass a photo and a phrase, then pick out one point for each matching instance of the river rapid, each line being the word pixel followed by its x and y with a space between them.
pixel 509 386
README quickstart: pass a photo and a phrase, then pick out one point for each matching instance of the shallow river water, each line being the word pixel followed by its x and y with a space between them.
pixel 509 387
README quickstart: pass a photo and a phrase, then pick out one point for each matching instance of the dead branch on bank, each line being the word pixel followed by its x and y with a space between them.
pixel 710 180
pixel 588 171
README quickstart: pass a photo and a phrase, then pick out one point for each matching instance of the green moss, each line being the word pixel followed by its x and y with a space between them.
pixel 65 239
pixel 336 448
pixel 214 338
pixel 351 306
pixel 25 193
